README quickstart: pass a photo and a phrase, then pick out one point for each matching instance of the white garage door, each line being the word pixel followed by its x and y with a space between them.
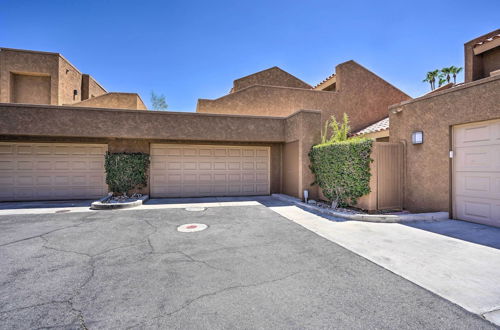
pixel 51 171
pixel 203 170
pixel 477 172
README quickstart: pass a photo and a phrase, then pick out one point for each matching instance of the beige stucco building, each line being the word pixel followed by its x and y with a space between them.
pixel 57 123
pixel 34 77
pixel 457 167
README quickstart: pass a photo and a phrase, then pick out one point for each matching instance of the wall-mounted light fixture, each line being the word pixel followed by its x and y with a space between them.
pixel 417 137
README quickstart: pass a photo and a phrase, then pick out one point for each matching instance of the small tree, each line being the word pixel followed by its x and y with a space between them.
pixel 158 102
pixel 339 132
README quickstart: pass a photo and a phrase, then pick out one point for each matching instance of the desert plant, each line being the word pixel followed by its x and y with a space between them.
pixel 339 131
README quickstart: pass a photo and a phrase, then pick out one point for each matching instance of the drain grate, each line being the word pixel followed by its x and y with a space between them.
pixel 62 211
pixel 192 227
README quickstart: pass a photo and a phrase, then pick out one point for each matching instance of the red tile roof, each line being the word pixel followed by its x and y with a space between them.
pixel 379 126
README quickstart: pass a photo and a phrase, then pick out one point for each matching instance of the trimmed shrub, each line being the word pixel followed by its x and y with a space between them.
pixel 342 170
pixel 126 171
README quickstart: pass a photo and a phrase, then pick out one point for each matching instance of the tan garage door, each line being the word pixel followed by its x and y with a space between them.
pixel 204 170
pixel 51 171
pixel 477 172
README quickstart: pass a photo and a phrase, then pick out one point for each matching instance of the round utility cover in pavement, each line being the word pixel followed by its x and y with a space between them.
pixel 195 209
pixel 192 227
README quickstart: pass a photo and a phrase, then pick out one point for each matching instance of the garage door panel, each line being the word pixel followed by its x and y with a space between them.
pixel 209 170
pixel 476 172
pixel 44 171
pixel 485 133
pixel 6 149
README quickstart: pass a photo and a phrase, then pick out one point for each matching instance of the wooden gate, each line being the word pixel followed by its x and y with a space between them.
pixel 389 158
pixel 386 182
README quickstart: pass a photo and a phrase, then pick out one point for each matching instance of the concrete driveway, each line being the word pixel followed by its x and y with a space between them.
pixel 251 268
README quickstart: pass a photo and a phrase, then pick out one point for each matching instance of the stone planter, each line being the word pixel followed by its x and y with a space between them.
pixel 106 203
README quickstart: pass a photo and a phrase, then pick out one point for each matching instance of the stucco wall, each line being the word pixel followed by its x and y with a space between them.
pixel 491 61
pixel 273 76
pixel 70 121
pixel 262 100
pixel 427 178
pixel 133 131
pixel 361 94
pixel 304 128
pixel 70 79
pixel 30 89
pixel 29 63
pixel 114 100
pixel 291 168
pixel 91 88
pixel 474 64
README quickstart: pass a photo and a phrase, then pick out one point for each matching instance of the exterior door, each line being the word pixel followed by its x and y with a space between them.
pixel 476 172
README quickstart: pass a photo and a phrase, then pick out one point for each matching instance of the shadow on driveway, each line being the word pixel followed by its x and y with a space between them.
pixel 462 230
pixel 45 204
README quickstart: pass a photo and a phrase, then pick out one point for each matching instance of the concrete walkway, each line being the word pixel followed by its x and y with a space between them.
pixel 460 267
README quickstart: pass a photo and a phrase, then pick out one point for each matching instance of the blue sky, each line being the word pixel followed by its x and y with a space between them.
pixel 194 49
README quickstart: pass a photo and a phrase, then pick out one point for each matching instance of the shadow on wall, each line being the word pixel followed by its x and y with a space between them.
pixel 462 230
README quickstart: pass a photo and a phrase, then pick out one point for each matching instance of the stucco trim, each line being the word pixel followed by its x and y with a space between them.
pixel 373 73
pixel 269 69
pixel 233 94
pixel 150 112
pixel 479 49
pixel 450 90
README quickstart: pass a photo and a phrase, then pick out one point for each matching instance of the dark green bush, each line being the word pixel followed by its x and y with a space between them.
pixel 126 171
pixel 342 170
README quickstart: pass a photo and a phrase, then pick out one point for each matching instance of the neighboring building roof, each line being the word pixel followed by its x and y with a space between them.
pixel 489 39
pixel 274 76
pixel 327 79
pixel 441 88
pixel 487 43
pixel 379 126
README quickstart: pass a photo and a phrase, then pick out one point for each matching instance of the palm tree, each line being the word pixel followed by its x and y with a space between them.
pixel 434 74
pixel 431 78
pixel 454 72
pixel 428 78
pixel 445 73
pixel 442 80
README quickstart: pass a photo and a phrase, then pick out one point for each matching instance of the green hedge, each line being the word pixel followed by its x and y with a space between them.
pixel 342 169
pixel 126 171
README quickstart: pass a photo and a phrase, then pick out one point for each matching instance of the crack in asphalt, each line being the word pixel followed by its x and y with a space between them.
pixel 200 261
pixel 82 222
pixel 214 293
pixel 190 258
pixel 91 263
pixel 34 305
